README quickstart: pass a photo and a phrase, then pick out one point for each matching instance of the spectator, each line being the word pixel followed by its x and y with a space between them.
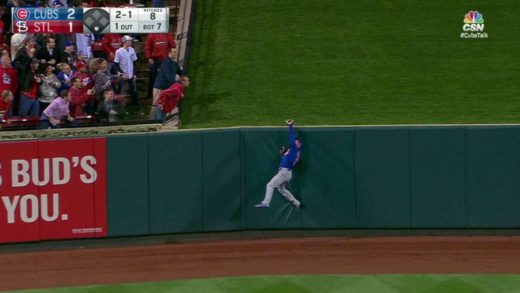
pixel 40 40
pixel 49 53
pixel 157 50
pixel 124 62
pixel 7 16
pixel 79 98
pixel 110 43
pixel 57 3
pixel 84 43
pixel 8 75
pixel 68 55
pixel 49 86
pixel 6 104
pixel 170 98
pixel 29 80
pixel 102 79
pixel 86 85
pixel 108 108
pixel 65 76
pixel 117 83
pixel 17 41
pixel 97 47
pixel 81 60
pixel 158 3
pixel 62 39
pixel 24 56
pixel 93 64
pixel 82 72
pixel 22 64
pixel 56 111
pixel 167 76
pixel 3 31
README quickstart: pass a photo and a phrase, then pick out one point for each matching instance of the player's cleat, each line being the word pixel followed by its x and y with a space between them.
pixel 261 205
pixel 296 203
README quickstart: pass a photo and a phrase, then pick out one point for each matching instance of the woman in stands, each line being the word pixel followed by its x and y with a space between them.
pixel 48 87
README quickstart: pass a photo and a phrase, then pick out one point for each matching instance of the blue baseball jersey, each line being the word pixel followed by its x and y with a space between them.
pixel 292 155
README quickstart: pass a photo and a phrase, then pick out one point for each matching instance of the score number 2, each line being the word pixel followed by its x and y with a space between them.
pixel 70 14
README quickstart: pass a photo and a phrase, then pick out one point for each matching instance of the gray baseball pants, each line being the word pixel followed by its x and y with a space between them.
pixel 279 181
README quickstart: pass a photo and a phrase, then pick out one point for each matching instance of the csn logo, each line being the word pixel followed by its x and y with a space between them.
pixel 473 27
pixel 473 22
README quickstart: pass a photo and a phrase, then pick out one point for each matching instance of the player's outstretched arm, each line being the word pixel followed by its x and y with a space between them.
pixel 292 136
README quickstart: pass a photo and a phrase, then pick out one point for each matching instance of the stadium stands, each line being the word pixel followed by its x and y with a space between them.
pixel 68 49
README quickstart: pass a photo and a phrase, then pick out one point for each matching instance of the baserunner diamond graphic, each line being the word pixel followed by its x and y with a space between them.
pixel 96 20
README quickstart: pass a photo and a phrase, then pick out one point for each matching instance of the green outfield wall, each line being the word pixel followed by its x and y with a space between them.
pixel 349 177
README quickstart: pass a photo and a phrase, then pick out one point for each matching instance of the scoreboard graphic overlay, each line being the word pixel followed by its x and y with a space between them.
pixel 90 20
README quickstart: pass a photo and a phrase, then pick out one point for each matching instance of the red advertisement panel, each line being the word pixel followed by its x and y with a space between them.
pixel 59 189
pixel 19 205
pixel 100 187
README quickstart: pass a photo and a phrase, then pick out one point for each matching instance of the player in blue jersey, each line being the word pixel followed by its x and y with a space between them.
pixel 290 158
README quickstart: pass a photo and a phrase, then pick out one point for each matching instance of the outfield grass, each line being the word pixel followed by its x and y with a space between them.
pixel 333 62
pixel 321 283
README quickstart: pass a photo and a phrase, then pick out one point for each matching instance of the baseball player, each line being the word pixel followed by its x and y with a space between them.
pixel 290 158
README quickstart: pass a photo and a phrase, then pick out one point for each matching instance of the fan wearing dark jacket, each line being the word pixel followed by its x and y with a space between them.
pixel 48 54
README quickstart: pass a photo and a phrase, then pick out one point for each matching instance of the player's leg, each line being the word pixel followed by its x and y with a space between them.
pixel 286 193
pixel 269 189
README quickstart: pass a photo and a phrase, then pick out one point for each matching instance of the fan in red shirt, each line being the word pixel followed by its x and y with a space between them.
pixel 158 45
pixel 85 77
pixel 78 98
pixel 110 44
pixel 87 83
pixel 170 98
pixel 8 75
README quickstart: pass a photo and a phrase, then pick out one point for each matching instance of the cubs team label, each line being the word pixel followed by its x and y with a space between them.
pixel 52 189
